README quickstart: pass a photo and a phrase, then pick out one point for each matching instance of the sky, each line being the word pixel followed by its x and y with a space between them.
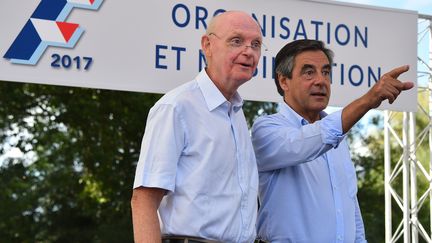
pixel 422 7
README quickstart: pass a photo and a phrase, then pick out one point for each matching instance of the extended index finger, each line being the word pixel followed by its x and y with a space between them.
pixel 398 71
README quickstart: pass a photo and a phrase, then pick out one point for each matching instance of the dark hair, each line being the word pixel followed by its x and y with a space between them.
pixel 284 62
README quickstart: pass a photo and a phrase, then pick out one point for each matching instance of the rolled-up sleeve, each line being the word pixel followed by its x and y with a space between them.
pixel 161 148
pixel 331 129
pixel 276 139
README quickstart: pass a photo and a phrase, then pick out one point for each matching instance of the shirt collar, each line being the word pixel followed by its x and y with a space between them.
pixel 212 95
pixel 289 113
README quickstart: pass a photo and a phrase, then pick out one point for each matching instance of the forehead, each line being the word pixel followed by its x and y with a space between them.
pixel 312 58
pixel 238 25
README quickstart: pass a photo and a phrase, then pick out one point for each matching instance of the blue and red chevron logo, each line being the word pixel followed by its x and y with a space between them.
pixel 46 27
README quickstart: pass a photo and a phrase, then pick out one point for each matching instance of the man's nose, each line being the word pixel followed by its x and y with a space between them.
pixel 248 50
pixel 320 79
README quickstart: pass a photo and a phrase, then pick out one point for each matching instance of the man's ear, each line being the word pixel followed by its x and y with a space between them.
pixel 283 81
pixel 205 45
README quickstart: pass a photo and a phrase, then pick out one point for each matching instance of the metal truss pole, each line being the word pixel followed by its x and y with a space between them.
pixel 430 116
pixel 405 180
pixel 400 169
pixel 387 169
pixel 413 180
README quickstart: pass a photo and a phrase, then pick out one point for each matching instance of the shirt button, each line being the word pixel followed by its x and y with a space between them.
pixel 339 237
pixel 339 211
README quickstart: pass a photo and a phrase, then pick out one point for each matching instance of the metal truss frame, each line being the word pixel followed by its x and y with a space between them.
pixel 408 168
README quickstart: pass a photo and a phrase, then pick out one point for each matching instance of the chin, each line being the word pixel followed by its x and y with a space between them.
pixel 319 107
pixel 244 78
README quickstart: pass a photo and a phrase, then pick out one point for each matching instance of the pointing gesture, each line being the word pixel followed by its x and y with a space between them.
pixel 388 87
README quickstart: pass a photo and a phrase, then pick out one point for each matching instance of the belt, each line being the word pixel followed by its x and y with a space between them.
pixel 185 239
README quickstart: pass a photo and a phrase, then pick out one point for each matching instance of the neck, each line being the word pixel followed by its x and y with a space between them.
pixel 310 116
pixel 222 85
pixel 228 94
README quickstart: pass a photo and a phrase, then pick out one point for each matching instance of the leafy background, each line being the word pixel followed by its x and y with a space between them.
pixel 68 158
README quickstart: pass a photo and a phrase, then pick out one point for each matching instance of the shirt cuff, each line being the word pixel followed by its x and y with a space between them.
pixel 331 129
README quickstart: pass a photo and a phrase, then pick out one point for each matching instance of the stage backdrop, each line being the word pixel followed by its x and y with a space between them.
pixel 154 46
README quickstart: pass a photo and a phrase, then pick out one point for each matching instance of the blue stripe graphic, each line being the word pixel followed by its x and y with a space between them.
pixel 28 47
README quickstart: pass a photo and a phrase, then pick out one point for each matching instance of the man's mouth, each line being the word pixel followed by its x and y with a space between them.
pixel 245 65
pixel 323 94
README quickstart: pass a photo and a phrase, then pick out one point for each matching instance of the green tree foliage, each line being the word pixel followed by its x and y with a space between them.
pixel 370 180
pixel 81 146
pixel 73 182
pixel 370 167
pixel 254 109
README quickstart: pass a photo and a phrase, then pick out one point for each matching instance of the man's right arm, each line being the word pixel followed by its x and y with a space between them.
pixel 145 203
pixel 278 144
pixel 387 88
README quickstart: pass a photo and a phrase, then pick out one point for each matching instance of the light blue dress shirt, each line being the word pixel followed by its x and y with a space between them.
pixel 197 146
pixel 308 183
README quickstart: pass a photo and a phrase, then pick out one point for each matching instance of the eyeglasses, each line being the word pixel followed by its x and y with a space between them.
pixel 237 42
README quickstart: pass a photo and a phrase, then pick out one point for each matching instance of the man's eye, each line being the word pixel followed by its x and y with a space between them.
pixel 256 44
pixel 326 73
pixel 236 42
pixel 309 72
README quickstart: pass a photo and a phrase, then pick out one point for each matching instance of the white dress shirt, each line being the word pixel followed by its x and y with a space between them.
pixel 197 146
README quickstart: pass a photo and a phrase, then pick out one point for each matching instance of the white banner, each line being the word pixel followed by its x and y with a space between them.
pixel 154 46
